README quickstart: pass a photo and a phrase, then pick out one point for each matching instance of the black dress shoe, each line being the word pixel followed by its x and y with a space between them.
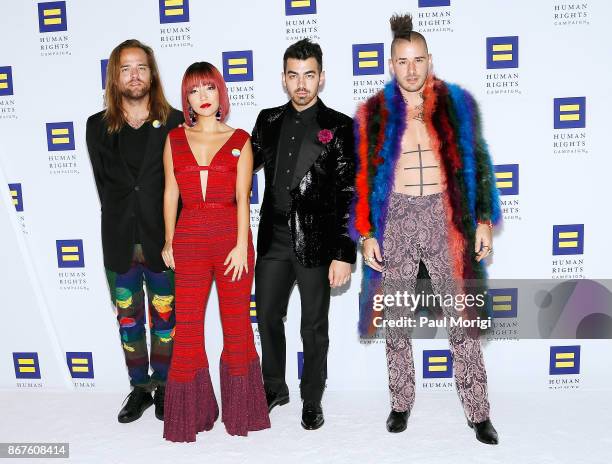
pixel 276 399
pixel 137 402
pixel 485 432
pixel 397 420
pixel 158 399
pixel 312 415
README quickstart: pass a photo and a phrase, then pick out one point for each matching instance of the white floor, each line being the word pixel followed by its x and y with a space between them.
pixel 558 427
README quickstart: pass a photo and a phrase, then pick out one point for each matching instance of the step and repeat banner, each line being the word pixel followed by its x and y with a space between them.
pixel 540 71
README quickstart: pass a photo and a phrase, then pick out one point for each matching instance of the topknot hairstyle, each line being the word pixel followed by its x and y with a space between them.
pixel 402 29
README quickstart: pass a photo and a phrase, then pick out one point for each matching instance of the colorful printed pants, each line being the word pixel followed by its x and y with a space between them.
pixel 127 294
pixel 416 230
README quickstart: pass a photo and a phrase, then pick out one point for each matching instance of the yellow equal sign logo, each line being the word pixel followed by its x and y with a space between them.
pixel 173 11
pixel 564 360
pixel 253 310
pixel 52 17
pixel 174 7
pixel 504 302
pixel 70 253
pixel 507 179
pixel 16 196
pixel 568 239
pixel 502 52
pixel 238 65
pixel 569 113
pixel 368 59
pixel 437 364
pixel 26 365
pixel 60 136
pixel 300 7
pixel 80 365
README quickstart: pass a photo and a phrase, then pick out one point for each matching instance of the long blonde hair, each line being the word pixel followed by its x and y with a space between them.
pixel 159 108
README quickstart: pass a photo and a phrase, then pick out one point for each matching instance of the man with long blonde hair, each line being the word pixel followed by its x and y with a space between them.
pixel 125 143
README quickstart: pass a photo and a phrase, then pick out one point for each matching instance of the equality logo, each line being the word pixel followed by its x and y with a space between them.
pixel 26 365
pixel 569 113
pixel 507 179
pixel 368 59
pixel 70 253
pixel 16 196
pixel 437 364
pixel 253 310
pixel 502 52
pixel 60 136
pixel 6 81
pixel 300 7
pixel 173 11
pixel 433 3
pixel 504 302
pixel 238 66
pixel 80 364
pixel 564 360
pixel 568 239
pixel 103 67
pixel 300 363
pixel 254 191
pixel 52 17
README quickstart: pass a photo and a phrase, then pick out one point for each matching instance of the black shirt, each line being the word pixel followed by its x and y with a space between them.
pixel 292 133
pixel 133 144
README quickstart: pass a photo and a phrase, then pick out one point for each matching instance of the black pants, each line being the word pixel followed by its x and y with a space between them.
pixel 275 274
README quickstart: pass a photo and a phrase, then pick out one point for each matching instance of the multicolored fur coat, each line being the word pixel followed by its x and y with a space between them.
pixel 453 122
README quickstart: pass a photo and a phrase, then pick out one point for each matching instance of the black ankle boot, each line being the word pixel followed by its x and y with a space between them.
pixel 397 421
pixel 137 402
pixel 312 415
pixel 158 399
pixel 485 432
pixel 276 399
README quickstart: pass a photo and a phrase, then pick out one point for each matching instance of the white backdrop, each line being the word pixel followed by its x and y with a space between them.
pixel 51 72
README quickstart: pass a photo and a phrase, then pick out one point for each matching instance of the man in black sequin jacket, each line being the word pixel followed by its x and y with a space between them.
pixel 306 150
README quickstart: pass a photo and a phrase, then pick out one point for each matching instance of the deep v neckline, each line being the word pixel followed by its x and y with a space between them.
pixel 193 156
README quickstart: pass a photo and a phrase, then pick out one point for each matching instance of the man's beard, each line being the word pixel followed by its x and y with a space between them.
pixel 135 93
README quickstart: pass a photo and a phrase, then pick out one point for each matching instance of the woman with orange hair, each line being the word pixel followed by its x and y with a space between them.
pixel 210 165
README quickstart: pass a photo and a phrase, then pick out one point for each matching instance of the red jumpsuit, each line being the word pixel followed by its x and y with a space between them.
pixel 205 234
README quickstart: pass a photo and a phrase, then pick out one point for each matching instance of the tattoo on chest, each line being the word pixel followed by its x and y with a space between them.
pixel 420 167
pixel 416 113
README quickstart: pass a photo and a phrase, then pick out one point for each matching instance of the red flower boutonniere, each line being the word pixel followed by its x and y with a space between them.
pixel 325 136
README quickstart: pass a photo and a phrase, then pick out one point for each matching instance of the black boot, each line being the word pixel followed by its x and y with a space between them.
pixel 137 402
pixel 312 415
pixel 485 432
pixel 276 399
pixel 158 399
pixel 397 420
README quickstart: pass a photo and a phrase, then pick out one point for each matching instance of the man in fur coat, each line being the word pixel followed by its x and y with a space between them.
pixel 425 192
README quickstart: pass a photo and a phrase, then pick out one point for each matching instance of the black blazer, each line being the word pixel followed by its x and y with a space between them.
pixel 321 191
pixel 120 194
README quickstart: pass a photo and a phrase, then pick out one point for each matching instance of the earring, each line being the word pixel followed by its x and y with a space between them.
pixel 218 115
pixel 192 115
